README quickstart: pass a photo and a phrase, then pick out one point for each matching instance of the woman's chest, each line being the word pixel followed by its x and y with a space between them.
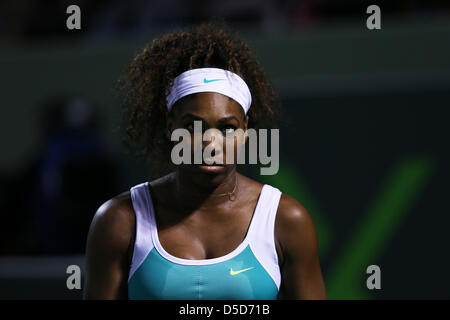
pixel 203 235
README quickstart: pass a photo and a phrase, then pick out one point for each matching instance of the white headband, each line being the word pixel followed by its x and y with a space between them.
pixel 210 80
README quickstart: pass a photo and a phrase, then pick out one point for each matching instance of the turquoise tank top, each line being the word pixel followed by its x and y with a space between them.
pixel 249 272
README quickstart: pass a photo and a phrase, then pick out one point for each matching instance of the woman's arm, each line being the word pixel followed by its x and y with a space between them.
pixel 301 275
pixel 108 250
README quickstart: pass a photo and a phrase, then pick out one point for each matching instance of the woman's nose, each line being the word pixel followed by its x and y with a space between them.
pixel 214 141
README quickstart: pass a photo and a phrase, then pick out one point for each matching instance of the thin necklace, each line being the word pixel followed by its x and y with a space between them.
pixel 231 195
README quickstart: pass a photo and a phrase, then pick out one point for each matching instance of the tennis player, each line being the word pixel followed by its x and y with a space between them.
pixel 200 231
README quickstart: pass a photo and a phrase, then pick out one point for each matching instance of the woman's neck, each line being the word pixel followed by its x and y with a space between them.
pixel 203 192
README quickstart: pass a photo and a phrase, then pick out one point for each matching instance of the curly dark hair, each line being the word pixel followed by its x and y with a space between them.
pixel 146 83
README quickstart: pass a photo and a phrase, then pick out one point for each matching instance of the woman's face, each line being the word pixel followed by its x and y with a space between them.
pixel 214 111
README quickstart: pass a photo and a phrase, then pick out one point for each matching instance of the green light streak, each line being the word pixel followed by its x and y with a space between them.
pixel 348 279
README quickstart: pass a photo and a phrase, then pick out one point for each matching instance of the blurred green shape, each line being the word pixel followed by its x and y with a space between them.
pixel 347 280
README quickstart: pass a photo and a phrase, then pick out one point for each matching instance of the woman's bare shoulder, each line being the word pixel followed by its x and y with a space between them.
pixel 109 249
pixel 118 208
pixel 292 214
pixel 114 221
pixel 295 228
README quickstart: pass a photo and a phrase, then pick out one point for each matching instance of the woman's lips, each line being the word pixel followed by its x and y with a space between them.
pixel 211 168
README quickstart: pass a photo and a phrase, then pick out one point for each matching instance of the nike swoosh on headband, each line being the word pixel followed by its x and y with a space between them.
pixel 212 80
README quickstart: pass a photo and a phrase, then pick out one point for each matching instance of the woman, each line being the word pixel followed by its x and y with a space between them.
pixel 201 231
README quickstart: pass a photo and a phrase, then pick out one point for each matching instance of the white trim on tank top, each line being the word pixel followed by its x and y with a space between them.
pixel 269 261
pixel 143 243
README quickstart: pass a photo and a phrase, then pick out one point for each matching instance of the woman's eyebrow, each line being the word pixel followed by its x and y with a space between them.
pixel 226 119
pixel 191 116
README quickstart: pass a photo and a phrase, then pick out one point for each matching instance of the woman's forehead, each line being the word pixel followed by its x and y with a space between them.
pixel 208 104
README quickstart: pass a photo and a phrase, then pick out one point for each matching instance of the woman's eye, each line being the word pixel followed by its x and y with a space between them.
pixel 229 129
pixel 190 126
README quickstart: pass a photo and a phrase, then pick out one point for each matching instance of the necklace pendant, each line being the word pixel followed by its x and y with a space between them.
pixel 231 196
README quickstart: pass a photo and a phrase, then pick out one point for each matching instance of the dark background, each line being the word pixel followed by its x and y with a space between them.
pixel 364 134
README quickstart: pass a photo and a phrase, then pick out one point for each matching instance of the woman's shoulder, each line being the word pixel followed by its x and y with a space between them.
pixel 117 206
pixel 117 214
pixel 294 226
pixel 111 237
pixel 291 210
pixel 114 217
